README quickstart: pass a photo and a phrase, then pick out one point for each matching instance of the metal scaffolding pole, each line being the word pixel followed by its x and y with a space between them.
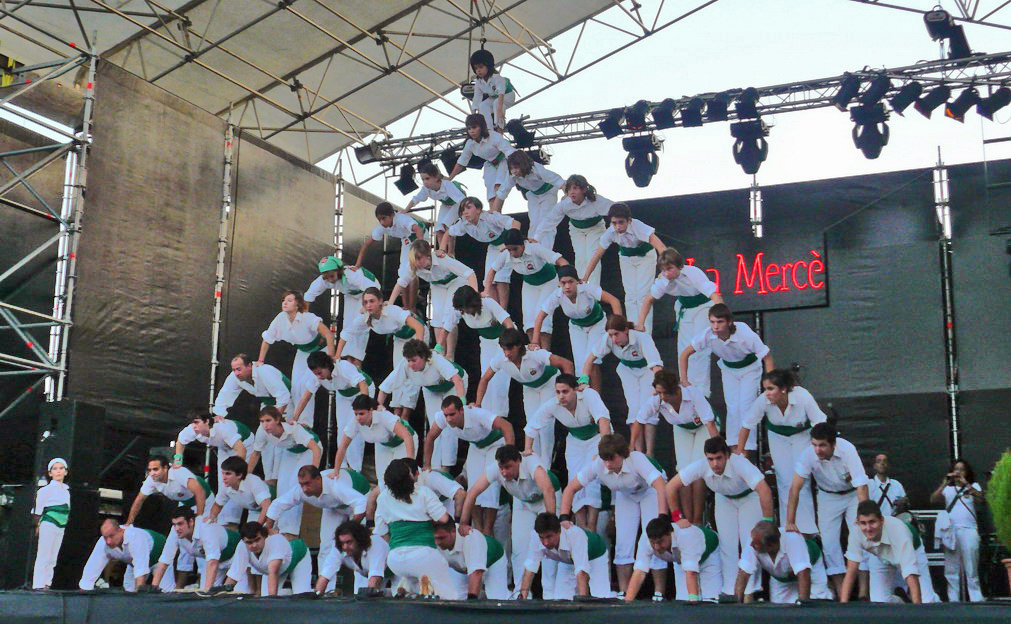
pixel 219 274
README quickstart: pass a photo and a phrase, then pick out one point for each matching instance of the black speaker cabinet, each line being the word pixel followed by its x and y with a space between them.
pixel 74 431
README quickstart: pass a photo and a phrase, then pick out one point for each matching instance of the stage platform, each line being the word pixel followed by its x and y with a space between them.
pixel 116 607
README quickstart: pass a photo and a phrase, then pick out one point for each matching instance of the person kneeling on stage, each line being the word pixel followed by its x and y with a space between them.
pixel 794 564
pixel 476 559
pixel 697 574
pixel 211 544
pixel 139 549
pixel 583 568
pixel 900 557
pixel 274 559
pixel 357 551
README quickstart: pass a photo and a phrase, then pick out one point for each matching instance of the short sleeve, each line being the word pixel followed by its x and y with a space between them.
pixel 260 492
pixel 641 230
pixel 457 229
pixel 273 332
pixel 439 419
pixel 603 346
pixel 168 551
pixel 497 218
pixel 377 233
pixel 348 371
pixel 854 546
pixel 548 255
pixel 433 506
pixel 397 313
pixel 643 554
pixel 187 435
pixel 699 280
pixel 534 554
pixel 659 287
pixel 551 302
pixel 580 546
pixel 421 195
pixel 147 488
pixel 692 543
pixel 499 260
pixel 597 410
pixel 693 471
pixel 450 319
pixel 804 463
pixel 497 361
pixel 702 407
pixel 607 239
pixel 749 560
pixel 593 290
pixel 387 419
pixel 212 539
pixel 444 366
pixel 396 378
pixel 856 468
pixel 475 551
pixel 404 276
pixel 644 467
pixel 458 268
pixel 700 341
pixel 754 415
pixel 590 471
pixel 140 551
pixel 747 471
pixel 796 551
pixel 496 309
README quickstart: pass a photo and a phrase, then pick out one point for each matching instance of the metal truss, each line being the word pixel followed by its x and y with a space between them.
pixel 46 366
pixel 979 12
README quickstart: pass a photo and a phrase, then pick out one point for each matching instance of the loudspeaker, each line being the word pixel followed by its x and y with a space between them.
pixel 74 431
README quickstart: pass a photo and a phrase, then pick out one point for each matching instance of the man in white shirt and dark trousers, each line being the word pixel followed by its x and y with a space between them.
pixel 842 483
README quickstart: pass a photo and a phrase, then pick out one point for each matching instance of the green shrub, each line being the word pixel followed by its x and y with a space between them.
pixel 998 496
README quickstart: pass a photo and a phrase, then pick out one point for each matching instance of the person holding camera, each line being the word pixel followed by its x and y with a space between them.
pixel 957 531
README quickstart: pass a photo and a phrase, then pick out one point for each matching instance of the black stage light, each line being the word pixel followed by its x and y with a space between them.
pixel 747 104
pixel 909 93
pixel 467 90
pixel 847 91
pixel 691 115
pixel 611 126
pixel 750 149
pixel 635 115
pixel 966 99
pixel 716 108
pixel 941 25
pixel 539 155
pixel 368 153
pixel 642 163
pixel 876 90
pixel 997 100
pixel 448 157
pixel 937 96
pixel 521 136
pixel 870 134
pixel 663 114
pixel 406 184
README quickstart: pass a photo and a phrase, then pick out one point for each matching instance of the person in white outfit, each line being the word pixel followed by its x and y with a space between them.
pixel 694 293
pixel 51 513
pixel 957 530
pixel 484 227
pixel 638 246
pixel 637 486
pixel 212 545
pixel 638 361
pixel 476 560
pixel 274 560
pixel 742 356
pixel 586 211
pixel 493 92
pixel 900 559
pixel 689 548
pixel 586 417
pixel 742 499
pixel 891 497
pixel 842 483
pixel 176 484
pixel 538 185
pixel 350 283
pixel 397 225
pixel 242 490
pixel 490 146
pixel 346 382
pixel 536 264
pixel 228 438
pixel 788 411
pixel 581 303
pixel 139 549
pixel 435 187
pixel 406 512
pixel 795 566
pixel 582 566
pixel 306 332
pixel 360 553
pixel 393 437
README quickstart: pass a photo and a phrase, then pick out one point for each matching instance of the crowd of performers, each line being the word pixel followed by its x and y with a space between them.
pixel 425 526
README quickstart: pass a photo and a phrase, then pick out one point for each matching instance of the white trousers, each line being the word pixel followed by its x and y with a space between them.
pixel 494 175
pixel 963 561
pixel 496 395
pixel 537 206
pixel 356 344
pixel 693 323
pixel 301 578
pixel 735 517
pixel 689 445
pixel 477 462
pixel 833 511
pixel 489 109
pixel 301 381
pixel 583 339
pixel 329 520
pixel 533 399
pixel 495 581
pixel 167 584
pixel 290 521
pixel 565 580
pixel 270 460
pixel 637 384
pixel 501 277
pixel 444 454
pixel 50 540
pixel 637 275
pixel 584 245
pixel 632 513
pixel 533 298
pixel 386 454
pixel 579 453
pixel 740 389
pixel 442 297
pixel 789 593
pixel 523 516
pixel 413 562
pixel 884 578
pixel 785 451
pixel 710 579
pixel 345 416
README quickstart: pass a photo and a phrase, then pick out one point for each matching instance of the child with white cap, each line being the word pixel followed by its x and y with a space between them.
pixel 52 509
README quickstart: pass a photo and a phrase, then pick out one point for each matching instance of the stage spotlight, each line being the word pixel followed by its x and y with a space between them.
pixel 368 153
pixel 941 25
pixel 847 91
pixel 635 115
pixel 997 100
pixel 611 126
pixel 750 149
pixel 663 114
pixel 870 134
pixel 966 99
pixel 522 137
pixel 406 184
pixel 926 104
pixel 716 108
pixel 539 155
pixel 642 163
pixel 909 93
pixel 747 104
pixel 448 158
pixel 876 90
pixel 691 115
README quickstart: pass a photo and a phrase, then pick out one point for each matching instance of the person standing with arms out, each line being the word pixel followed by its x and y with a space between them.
pixel 795 566
pixel 493 92
pixel 52 510
pixel 347 382
pixel 436 187
pixel 393 437
pixel 958 530
pixel 835 465
pixel 306 332
pixel 349 283
pixel 694 294
pixel 638 246
pixel 539 186
pixel 739 350
pixel 788 412
pixel 586 211
pixel 488 145
pixel 484 227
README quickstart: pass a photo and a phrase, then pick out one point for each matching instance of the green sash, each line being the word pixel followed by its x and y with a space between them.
pixel 538 496
pixel 298 552
pixel 56 514
pixel 233 542
pixel 917 540
pixel 639 250
pixel 712 543
pixel 595 316
pixel 408 533
pixel 358 481
pixel 655 463
pixel 407 332
pixel 786 430
pixel 584 224
pixel 688 302
pixel 547 375
pixel 595 545
pixel 542 189
pixel 495 550
pixel 499 240
pixel 447 384
pixel 492 332
pixel 449 201
pixel 634 363
pixel 157 545
pixel 495 161
pixel 442 282
pixel 749 359
pixel 813 551
pixel 692 426
pixel 241 428
pixel 192 500
pixel 314 345
pixel 354 293
pixel 542 276
pixel 396 440
pixel 424 226
pixel 351 391
pixel 269 400
pixel 585 432
pixel 739 495
pixel 488 440
pixel 299 448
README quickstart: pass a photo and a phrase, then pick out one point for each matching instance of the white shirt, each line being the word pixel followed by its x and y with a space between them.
pixel 538 177
pixel 478 423
pixel 266 381
pixel 300 330
pixel 51 494
pixel 445 486
pixel 963 513
pixel 468 554
pixel 291 436
pixel 792 558
pixel 223 436
pixel 351 283
pixel 738 475
pixel 489 226
pixel 894 548
pixel 742 342
pixel 207 542
pixel 686 547
pixel 532 260
pixel 344 375
pixel 634 478
pixel 441 269
pixel 801 408
pixel 275 547
pixel 694 408
pixel 174 489
pixel 436 371
pixel 567 208
pixel 250 495
pixel 491 314
pixel 691 281
pixel 338 494
pixel 390 320
pixel 843 471
pixel 573 548
pixel 381 429
pixel 135 551
pixel 488 149
pixel 589 409
pixel 587 297
pixel 424 505
pixel 640 347
pixel 892 491
pixel 636 234
pixel 374 559
pixel 402 228
pixel 492 86
pixel 449 192
pixel 524 487
pixel 531 366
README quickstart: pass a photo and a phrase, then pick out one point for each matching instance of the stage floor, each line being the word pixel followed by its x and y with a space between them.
pixel 23 607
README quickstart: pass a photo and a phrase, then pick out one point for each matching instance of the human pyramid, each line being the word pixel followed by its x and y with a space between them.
pixel 419 529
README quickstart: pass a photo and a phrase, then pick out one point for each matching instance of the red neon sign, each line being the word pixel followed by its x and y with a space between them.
pixel 755 275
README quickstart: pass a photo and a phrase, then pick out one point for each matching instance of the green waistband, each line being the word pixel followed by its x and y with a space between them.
pixel 495 551
pixel 542 276
pixel 396 440
pixel 690 426
pixel 56 514
pixel 539 496
pixel 157 545
pixel 191 501
pixel 712 543
pixel 498 240
pixel 547 375
pixel 447 384
pixel 407 332
pixel 585 432
pixel 786 430
pixel 584 224
pixel 241 428
pixel 495 161
pixel 314 345
pixel 442 282
pixel 739 494
pixel 595 545
pixel 351 391
pixel 488 440
pixel 691 301
pixel 269 400
pixel 813 552
pixel 408 533
pixel 231 543
pixel 358 481
pixel 633 363
pixel 639 250
pixel 595 316
pixel 544 188
pixel 354 293
pixel 299 448
pixel 298 552
pixel 492 332
pixel 749 359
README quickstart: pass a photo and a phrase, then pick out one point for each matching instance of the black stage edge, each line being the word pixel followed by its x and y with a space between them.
pixel 116 607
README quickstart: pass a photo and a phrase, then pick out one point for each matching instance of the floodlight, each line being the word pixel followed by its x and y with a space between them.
pixel 663 114
pixel 611 126
pixel 406 184
pixel 747 104
pixel 847 91
pixel 966 99
pixel 635 115
pixel 691 115
pixel 876 90
pixel 870 134
pixel 716 108
pixel 996 101
pixel 937 96
pixel 750 149
pixel 368 153
pixel 642 163
pixel 909 93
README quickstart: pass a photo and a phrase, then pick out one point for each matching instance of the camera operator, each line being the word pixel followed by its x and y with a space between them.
pixel 956 529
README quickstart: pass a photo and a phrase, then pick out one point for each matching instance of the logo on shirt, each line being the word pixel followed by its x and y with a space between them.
pixel 635 353
pixel 533 371
pixel 847 477
pixel 698 421
pixel 530 266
